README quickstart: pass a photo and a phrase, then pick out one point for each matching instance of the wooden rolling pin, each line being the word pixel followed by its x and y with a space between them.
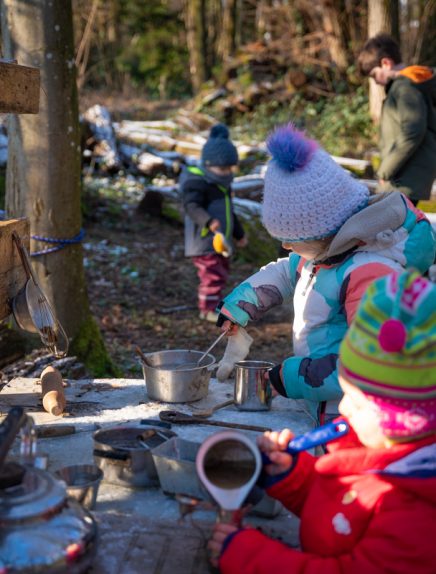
pixel 53 397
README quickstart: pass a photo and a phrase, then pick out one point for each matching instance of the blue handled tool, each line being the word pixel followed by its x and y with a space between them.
pixel 321 435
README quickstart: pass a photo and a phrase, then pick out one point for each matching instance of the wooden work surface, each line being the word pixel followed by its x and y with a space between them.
pixel 140 529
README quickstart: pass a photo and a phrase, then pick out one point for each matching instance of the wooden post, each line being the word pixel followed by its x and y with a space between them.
pixel 19 89
pixel 12 273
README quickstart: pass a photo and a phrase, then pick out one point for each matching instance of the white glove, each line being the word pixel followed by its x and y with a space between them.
pixel 237 349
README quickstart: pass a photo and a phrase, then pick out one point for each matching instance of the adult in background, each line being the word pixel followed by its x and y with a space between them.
pixel 408 120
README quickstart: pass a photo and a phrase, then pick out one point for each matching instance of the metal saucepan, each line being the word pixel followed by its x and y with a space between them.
pixel 123 453
pixel 167 379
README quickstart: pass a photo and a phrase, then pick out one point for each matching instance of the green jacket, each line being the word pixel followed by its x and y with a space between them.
pixel 408 136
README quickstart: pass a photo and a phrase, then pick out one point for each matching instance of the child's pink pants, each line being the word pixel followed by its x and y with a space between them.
pixel 213 270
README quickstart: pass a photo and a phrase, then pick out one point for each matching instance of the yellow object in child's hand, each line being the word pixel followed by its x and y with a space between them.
pixel 221 245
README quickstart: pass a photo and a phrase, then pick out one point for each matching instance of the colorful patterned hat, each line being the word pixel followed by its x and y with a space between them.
pixel 389 352
pixel 307 195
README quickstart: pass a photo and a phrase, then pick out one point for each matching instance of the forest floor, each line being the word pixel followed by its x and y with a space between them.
pixel 137 277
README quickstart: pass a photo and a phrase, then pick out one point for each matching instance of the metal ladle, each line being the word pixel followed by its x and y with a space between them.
pixel 217 340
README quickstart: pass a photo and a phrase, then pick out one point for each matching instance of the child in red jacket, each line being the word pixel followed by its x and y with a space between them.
pixel 369 505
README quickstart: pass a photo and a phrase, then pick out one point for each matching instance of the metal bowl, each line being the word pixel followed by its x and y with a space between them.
pixel 168 379
pixel 82 482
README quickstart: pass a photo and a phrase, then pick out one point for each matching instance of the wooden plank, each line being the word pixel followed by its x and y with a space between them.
pixel 19 89
pixel 12 274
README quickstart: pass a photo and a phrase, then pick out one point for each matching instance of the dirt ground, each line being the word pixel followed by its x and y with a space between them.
pixel 137 272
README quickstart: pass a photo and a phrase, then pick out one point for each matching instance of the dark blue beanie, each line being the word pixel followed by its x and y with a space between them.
pixel 219 150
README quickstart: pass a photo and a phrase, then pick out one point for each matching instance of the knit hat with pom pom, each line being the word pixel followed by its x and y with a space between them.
pixel 389 352
pixel 307 195
pixel 219 150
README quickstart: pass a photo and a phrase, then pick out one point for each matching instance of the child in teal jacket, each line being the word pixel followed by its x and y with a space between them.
pixel 341 239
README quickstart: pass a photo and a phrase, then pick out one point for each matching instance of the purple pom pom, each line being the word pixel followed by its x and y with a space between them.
pixel 290 148
pixel 219 131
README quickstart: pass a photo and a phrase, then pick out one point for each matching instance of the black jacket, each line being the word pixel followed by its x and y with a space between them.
pixel 204 201
pixel 408 136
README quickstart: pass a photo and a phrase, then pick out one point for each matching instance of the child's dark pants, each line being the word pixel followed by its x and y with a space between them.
pixel 213 270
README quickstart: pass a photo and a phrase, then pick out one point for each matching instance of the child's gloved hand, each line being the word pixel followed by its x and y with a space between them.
pixel 238 347
pixel 215 545
pixel 272 444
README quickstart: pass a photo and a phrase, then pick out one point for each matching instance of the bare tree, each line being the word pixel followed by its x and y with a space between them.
pixel 332 23
pixel 383 16
pixel 196 38
pixel 228 32
pixel 43 172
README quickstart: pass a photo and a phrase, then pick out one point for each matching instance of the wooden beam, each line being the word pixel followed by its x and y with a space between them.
pixel 12 273
pixel 19 89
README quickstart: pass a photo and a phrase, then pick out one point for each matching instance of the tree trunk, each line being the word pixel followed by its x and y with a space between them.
pixel 196 38
pixel 425 47
pixel 247 29
pixel 228 33
pixel 43 172
pixel 332 19
pixel 383 16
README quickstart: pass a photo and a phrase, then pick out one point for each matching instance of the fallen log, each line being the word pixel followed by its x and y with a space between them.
pixel 102 143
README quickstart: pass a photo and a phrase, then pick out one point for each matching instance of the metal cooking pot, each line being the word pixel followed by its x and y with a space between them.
pixel 167 379
pixel 124 454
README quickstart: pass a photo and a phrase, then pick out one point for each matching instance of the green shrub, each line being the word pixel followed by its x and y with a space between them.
pixel 342 124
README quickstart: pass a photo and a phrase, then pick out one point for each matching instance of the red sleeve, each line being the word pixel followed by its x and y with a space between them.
pixel 356 284
pixel 396 541
pixel 294 488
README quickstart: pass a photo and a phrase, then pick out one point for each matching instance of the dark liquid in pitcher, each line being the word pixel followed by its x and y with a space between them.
pixel 230 474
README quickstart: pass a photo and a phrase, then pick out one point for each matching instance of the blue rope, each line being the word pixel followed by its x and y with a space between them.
pixel 61 243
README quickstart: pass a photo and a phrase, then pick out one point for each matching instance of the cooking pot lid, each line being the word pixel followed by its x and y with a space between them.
pixel 132 438
pixel 38 493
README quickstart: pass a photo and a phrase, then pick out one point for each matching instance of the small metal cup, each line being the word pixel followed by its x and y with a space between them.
pixel 82 482
pixel 252 390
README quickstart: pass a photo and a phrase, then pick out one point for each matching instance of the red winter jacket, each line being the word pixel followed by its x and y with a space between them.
pixel 363 511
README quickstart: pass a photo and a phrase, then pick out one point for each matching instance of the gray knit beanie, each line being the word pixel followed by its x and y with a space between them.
pixel 219 150
pixel 307 195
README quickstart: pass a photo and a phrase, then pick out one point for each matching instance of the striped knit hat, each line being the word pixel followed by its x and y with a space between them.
pixel 389 352
pixel 307 195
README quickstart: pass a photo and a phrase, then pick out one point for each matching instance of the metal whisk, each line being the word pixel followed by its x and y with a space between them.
pixel 42 315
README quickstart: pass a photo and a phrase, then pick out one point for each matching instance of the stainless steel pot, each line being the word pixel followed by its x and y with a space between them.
pixel 167 380
pixel 252 390
pixel 124 454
